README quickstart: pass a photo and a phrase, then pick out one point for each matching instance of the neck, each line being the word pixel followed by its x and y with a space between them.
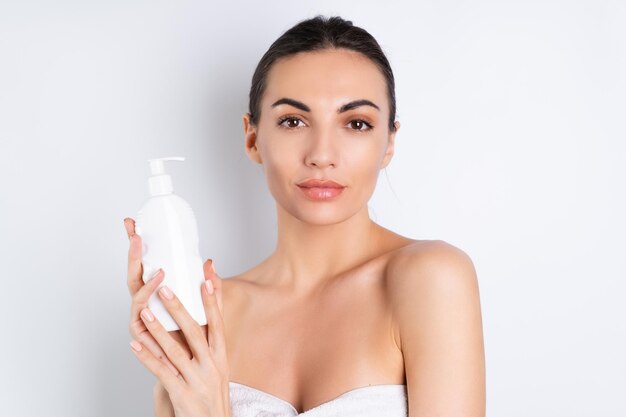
pixel 309 254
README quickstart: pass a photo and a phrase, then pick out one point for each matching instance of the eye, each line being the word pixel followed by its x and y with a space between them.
pixel 289 119
pixel 358 123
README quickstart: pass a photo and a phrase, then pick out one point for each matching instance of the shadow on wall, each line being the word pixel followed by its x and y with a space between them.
pixel 250 224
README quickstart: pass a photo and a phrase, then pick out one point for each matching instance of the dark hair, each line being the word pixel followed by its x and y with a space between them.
pixel 315 34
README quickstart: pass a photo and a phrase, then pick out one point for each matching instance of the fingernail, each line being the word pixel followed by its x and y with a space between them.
pixel 156 273
pixel 209 286
pixel 135 345
pixel 166 292
pixel 147 315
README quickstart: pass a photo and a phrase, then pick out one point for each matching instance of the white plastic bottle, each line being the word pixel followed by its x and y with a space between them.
pixel 169 233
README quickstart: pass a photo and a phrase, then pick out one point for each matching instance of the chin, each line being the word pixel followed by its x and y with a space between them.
pixel 322 214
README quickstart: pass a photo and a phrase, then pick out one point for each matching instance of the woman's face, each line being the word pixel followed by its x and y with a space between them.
pixel 310 135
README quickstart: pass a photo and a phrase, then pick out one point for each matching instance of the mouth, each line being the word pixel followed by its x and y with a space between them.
pixel 320 190
pixel 320 183
pixel 321 193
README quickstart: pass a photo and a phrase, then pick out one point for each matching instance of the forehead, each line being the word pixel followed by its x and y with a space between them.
pixel 329 77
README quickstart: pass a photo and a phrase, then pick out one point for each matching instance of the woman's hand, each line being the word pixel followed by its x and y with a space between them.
pixel 140 294
pixel 201 387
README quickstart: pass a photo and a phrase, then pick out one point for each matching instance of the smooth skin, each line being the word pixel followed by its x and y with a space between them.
pixel 343 302
pixel 417 301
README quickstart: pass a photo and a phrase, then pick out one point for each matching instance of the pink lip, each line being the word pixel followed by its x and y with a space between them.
pixel 320 190
pixel 320 183
pixel 321 193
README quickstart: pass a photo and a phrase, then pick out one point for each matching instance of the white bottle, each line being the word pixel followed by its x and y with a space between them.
pixel 169 235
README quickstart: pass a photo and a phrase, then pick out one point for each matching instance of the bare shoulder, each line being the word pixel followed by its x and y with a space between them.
pixel 232 290
pixel 429 260
pixel 433 292
pixel 427 272
pixel 237 292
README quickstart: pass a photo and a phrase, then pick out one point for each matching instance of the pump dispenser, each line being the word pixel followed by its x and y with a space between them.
pixel 169 233
pixel 160 183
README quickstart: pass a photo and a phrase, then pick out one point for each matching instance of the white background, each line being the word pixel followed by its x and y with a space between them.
pixel 511 148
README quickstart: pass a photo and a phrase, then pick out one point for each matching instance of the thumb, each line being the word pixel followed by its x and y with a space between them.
pixel 210 274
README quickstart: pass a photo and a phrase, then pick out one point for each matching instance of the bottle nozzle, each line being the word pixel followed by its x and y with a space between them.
pixel 161 183
pixel 156 164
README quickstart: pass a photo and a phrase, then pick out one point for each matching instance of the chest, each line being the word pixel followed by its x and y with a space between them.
pixel 311 351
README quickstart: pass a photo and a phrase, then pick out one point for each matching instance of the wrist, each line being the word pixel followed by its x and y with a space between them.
pixel 226 402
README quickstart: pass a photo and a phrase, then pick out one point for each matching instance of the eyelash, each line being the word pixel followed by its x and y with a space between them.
pixel 283 119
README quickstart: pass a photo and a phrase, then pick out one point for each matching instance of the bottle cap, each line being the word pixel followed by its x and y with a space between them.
pixel 160 183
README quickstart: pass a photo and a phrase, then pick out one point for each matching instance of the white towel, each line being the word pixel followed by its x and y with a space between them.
pixel 384 400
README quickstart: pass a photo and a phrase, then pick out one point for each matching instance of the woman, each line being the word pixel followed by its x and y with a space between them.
pixel 345 317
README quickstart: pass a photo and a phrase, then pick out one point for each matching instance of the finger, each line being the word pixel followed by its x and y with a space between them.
pixel 140 301
pixel 191 329
pixel 148 342
pixel 171 382
pixel 171 347
pixel 180 338
pixel 209 273
pixel 135 267
pixel 129 225
pixel 141 297
pixel 137 328
pixel 215 323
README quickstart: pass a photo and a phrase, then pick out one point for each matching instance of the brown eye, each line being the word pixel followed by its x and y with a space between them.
pixel 358 125
pixel 292 122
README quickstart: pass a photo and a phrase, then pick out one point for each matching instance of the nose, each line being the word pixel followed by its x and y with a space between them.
pixel 321 152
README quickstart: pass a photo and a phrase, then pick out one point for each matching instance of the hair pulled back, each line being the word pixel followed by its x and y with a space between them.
pixel 316 34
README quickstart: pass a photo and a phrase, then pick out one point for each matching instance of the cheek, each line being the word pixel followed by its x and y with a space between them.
pixel 364 161
pixel 280 166
pixel 277 150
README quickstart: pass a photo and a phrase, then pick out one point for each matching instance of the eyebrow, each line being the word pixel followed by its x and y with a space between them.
pixel 348 106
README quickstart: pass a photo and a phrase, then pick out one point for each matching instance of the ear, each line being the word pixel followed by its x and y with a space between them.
pixel 390 146
pixel 250 132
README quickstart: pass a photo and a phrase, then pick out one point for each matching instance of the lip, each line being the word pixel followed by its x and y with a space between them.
pixel 319 183
pixel 320 189
pixel 321 193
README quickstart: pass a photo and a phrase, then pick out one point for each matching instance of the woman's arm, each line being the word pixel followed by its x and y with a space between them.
pixel 162 404
pixel 434 293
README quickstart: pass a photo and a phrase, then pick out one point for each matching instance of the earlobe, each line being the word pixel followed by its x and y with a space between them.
pixel 250 133
pixel 251 148
pixel 390 146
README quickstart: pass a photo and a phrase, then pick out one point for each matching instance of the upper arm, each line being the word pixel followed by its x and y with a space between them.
pixel 435 300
